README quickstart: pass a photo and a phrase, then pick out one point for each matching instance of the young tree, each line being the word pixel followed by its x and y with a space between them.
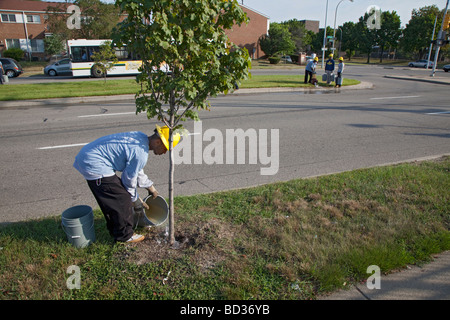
pixel 188 37
pixel 104 59
pixel 54 44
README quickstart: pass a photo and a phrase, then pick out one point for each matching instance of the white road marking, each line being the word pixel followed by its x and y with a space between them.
pixel 443 112
pixel 63 146
pixel 81 144
pixel 399 97
pixel 106 114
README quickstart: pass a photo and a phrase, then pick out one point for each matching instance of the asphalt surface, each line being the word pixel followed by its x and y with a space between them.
pixel 427 282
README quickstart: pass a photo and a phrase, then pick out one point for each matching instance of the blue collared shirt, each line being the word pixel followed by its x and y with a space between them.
pixel 125 152
pixel 311 66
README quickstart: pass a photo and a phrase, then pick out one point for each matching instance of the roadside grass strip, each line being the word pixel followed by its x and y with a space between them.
pixel 69 89
pixel 290 240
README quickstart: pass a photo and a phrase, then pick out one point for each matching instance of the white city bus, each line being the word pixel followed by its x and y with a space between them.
pixel 82 64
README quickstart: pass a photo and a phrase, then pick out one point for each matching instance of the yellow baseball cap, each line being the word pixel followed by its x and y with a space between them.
pixel 163 133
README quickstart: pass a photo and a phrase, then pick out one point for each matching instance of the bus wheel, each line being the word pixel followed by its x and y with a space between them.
pixel 96 72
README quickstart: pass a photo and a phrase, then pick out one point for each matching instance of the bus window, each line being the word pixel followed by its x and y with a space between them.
pixel 83 54
pixel 122 53
pixel 92 50
pixel 78 53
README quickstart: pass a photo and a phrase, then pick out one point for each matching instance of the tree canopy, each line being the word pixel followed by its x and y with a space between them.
pixel 97 20
pixel 277 41
pixel 418 32
pixel 186 58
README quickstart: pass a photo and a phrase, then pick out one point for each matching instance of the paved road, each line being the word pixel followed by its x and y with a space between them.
pixel 318 134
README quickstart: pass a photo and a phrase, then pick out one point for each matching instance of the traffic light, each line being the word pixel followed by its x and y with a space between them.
pixel 446 21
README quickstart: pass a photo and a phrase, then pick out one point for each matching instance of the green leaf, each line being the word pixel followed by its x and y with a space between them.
pixel 190 36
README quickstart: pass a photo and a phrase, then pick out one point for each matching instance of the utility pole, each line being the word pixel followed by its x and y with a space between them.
pixel 334 29
pixel 439 40
pixel 325 37
pixel 431 43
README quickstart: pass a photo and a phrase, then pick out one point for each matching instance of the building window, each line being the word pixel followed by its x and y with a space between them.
pixel 12 43
pixel 8 17
pixel 37 45
pixel 33 19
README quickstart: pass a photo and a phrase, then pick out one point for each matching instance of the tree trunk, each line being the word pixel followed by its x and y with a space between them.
pixel 171 174
pixel 382 51
pixel 171 193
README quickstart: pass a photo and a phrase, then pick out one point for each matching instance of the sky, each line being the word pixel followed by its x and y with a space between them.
pixel 283 10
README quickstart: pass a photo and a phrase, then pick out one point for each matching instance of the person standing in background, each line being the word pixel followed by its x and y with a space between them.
pixel 340 70
pixel 329 68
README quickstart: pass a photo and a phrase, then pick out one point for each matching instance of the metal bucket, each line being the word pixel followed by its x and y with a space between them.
pixel 157 213
pixel 78 224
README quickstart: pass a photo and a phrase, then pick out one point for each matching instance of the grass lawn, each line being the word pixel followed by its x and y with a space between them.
pixel 291 240
pixel 117 87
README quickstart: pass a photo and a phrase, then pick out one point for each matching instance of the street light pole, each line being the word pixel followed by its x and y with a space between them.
pixel 324 36
pixel 439 38
pixel 431 43
pixel 334 28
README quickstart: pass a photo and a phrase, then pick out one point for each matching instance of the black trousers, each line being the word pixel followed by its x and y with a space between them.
pixel 115 203
pixel 308 74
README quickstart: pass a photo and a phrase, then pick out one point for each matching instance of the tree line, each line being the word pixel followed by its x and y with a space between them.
pixel 410 42
pixel 289 37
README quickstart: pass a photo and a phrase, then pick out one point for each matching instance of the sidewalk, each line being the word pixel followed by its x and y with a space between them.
pixel 438 78
pixel 78 100
pixel 428 282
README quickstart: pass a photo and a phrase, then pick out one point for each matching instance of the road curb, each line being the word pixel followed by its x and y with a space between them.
pixel 93 99
pixel 431 80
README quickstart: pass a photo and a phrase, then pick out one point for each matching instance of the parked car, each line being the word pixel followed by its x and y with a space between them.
pixel 420 64
pixel 60 67
pixel 286 59
pixel 11 67
pixel 446 67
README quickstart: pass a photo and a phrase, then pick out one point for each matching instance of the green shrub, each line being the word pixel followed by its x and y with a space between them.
pixel 14 53
pixel 274 60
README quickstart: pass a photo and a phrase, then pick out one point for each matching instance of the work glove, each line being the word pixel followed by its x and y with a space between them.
pixel 153 192
pixel 139 205
pixel 139 212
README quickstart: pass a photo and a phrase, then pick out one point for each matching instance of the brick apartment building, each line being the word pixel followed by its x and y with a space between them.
pixel 22 19
pixel 248 35
pixel 311 25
